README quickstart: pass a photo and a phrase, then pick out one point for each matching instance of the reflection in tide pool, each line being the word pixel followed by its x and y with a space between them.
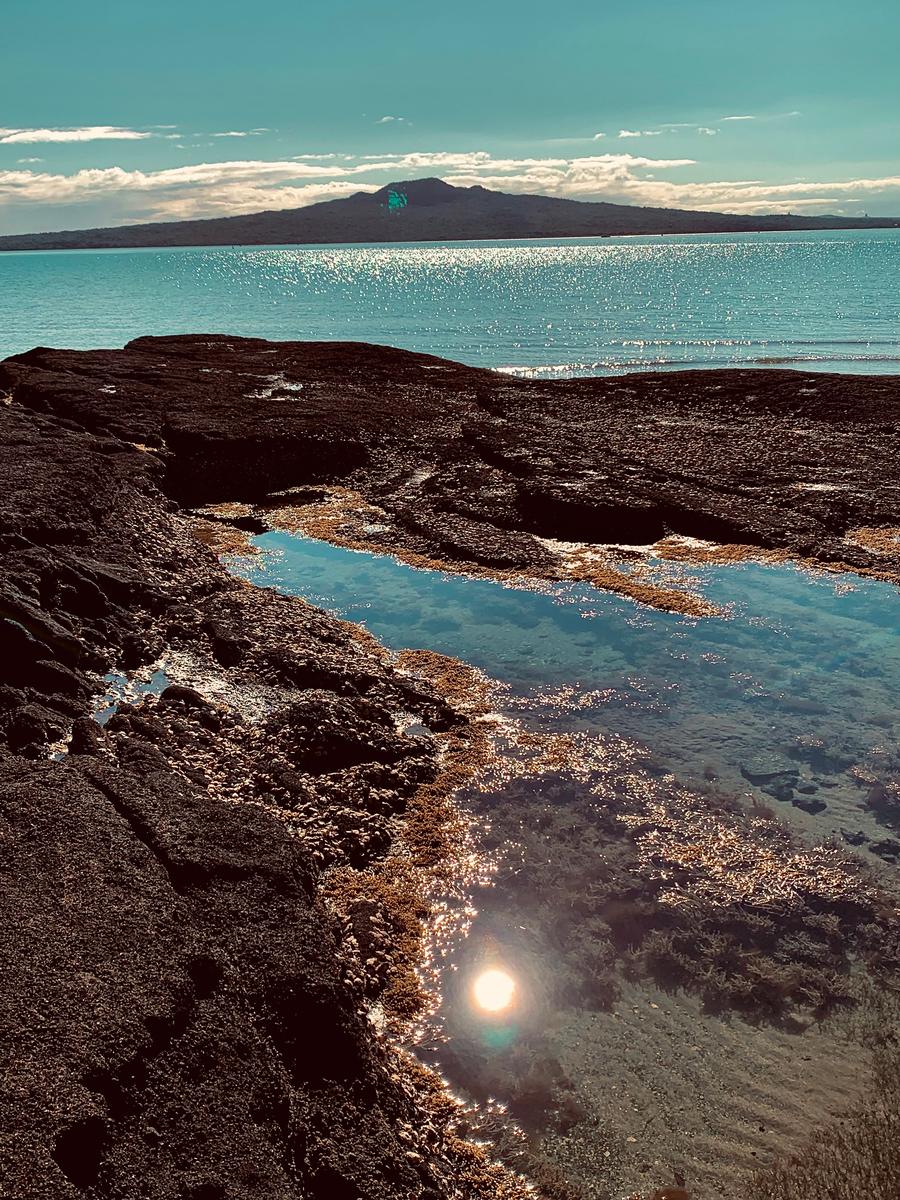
pixel 652 967
pixel 494 990
pixel 122 690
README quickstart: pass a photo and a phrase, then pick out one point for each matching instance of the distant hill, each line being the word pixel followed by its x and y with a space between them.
pixel 428 210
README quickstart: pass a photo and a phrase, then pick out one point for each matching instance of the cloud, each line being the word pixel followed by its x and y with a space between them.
pixel 113 133
pixel 669 125
pixel 597 136
pixel 636 133
pixel 25 161
pixel 745 117
pixel 89 133
pixel 207 189
pixel 199 190
pixel 114 195
pixel 388 120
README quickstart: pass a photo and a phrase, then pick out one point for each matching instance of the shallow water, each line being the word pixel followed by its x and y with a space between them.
pixel 805 670
pixel 120 689
pixel 789 702
pixel 824 300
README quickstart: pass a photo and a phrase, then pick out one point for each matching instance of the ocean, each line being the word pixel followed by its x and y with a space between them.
pixel 823 300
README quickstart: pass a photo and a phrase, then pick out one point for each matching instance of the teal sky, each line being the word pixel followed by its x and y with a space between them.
pixel 115 112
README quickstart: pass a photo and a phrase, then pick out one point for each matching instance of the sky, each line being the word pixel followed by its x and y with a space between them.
pixel 113 113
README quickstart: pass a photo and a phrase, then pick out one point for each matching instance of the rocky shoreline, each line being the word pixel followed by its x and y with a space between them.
pixel 203 896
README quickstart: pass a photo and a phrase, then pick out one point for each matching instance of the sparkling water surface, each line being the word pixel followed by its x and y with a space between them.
pixel 824 300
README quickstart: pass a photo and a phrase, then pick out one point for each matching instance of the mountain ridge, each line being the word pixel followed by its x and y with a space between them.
pixel 428 210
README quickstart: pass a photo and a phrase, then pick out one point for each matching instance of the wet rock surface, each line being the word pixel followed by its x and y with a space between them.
pixel 182 1014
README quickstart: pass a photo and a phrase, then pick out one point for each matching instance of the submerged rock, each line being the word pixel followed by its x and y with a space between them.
pixel 884 801
pixel 810 804
pixel 775 776
pixel 768 769
pixel 887 848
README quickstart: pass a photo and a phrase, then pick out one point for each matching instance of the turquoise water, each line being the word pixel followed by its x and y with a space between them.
pixel 822 300
pixel 802 676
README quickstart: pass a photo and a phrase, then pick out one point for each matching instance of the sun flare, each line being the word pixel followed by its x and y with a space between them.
pixel 494 990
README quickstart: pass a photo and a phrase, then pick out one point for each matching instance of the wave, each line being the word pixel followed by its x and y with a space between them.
pixel 839 358
pixel 654 362
pixel 759 342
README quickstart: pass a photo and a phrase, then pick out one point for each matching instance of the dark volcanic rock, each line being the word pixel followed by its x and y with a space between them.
pixel 181 1018
pixel 467 463
pixel 178 1022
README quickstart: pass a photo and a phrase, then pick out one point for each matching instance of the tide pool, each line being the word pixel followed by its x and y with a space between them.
pixel 801 678
pixel 582 987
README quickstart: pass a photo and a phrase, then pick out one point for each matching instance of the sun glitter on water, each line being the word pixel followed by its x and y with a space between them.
pixel 494 990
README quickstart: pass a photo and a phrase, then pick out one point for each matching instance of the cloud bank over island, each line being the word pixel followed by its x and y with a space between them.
pixel 32 195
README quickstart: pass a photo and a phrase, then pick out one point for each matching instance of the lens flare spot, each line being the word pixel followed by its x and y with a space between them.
pixel 494 990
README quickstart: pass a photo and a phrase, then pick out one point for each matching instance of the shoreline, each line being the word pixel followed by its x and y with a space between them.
pixel 427 220
pixel 874 223
pixel 172 833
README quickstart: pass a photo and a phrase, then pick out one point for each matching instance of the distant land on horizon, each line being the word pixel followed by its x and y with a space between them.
pixel 427 210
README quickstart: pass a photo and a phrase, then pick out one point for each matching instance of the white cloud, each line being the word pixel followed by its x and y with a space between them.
pixel 706 131
pixel 388 120
pixel 239 133
pixel 745 117
pixel 90 133
pixel 25 161
pixel 598 136
pixel 636 133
